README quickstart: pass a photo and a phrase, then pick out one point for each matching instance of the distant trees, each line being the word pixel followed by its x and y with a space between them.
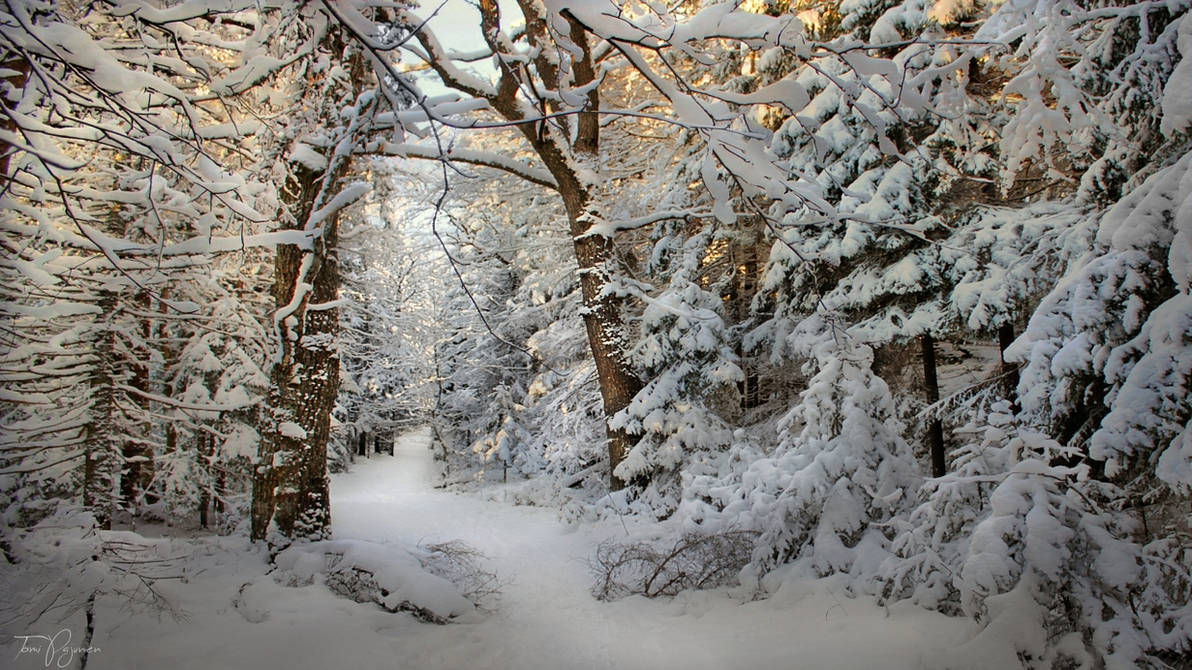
pixel 386 362
pixel 520 397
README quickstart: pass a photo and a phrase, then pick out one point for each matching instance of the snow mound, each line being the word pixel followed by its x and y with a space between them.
pixel 393 577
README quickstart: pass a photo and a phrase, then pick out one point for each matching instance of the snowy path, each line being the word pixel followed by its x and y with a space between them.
pixel 239 616
pixel 546 617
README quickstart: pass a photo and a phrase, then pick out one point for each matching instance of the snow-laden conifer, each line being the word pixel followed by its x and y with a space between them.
pixel 841 471
pixel 684 354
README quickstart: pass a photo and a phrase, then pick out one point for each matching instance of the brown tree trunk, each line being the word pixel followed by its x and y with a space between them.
pixel 936 429
pixel 101 442
pixel 318 359
pixel 290 486
pixel 221 488
pixel 17 81
pixel 744 288
pixel 607 339
pixel 204 502
pixel 137 456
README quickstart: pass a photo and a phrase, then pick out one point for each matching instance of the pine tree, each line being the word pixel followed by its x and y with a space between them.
pixel 841 470
pixel 107 160
pixel 685 355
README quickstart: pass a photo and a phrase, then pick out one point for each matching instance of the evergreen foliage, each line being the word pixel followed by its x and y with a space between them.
pixel 680 250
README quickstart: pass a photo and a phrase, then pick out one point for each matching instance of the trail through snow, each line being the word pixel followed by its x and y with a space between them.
pixel 545 609
pixel 237 616
pixel 547 618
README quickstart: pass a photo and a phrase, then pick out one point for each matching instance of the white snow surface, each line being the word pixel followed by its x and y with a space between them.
pixel 240 617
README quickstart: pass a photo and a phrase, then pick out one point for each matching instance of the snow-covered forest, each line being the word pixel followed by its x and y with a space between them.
pixel 739 333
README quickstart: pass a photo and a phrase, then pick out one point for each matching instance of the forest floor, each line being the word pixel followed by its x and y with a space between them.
pixel 234 615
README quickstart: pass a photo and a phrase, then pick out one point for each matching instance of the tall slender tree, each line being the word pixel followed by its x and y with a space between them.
pixel 565 77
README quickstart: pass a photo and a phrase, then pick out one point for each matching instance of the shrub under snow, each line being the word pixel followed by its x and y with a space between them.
pixel 397 579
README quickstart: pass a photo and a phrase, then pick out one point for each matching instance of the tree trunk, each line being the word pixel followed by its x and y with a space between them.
pixel 20 69
pixel 204 505
pixel 221 489
pixel 936 429
pixel 137 454
pixel 744 288
pixel 1009 371
pixel 607 339
pixel 101 443
pixel 291 486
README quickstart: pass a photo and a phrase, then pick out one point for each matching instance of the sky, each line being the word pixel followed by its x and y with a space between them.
pixel 456 23
pixel 452 18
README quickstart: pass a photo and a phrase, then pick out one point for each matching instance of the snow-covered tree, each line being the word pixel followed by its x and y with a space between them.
pixel 1058 526
pixel 113 188
pixel 1114 335
pixel 1041 553
pixel 685 355
pixel 840 473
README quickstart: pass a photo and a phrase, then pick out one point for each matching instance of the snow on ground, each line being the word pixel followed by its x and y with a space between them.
pixel 236 616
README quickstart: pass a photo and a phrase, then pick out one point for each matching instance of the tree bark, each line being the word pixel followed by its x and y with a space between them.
pixel 101 445
pixel 936 429
pixel 137 454
pixel 1009 371
pixel 744 288
pixel 595 254
pixel 291 486
pixel 16 82
pixel 608 341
